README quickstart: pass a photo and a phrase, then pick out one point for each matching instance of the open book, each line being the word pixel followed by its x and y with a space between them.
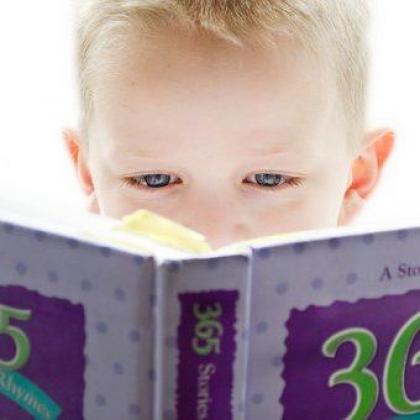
pixel 140 318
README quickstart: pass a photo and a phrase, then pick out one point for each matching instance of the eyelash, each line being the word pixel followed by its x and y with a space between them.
pixel 290 181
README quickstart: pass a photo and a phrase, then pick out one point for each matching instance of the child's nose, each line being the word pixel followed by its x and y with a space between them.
pixel 220 221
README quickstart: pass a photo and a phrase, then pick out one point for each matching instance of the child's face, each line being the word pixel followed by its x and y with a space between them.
pixel 213 128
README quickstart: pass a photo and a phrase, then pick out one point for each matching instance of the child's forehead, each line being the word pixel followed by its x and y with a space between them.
pixel 178 66
pixel 184 87
pixel 177 52
pixel 175 48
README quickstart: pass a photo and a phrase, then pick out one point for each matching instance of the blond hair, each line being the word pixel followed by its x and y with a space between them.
pixel 337 26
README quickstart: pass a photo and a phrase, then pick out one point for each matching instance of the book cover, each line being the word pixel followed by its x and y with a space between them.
pixel 76 328
pixel 334 328
pixel 314 325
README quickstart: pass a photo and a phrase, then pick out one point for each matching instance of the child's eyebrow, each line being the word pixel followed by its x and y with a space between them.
pixel 273 141
pixel 272 148
pixel 131 163
pixel 132 146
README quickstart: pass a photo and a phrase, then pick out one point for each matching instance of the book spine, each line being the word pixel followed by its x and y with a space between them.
pixel 201 354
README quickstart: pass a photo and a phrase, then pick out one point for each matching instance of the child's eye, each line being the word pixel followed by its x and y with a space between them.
pixel 155 181
pixel 272 181
pixel 160 181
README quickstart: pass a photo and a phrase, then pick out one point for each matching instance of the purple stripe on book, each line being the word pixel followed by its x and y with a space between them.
pixel 206 343
pixel 42 361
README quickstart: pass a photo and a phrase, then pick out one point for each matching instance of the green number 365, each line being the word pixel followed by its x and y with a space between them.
pixel 20 339
pixel 208 329
pixel 364 381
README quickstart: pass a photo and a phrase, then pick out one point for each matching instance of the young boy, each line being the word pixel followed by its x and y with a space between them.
pixel 235 118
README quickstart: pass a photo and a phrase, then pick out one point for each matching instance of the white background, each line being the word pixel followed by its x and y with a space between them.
pixel 38 98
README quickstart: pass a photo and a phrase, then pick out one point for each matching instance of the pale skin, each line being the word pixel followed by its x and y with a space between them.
pixel 234 143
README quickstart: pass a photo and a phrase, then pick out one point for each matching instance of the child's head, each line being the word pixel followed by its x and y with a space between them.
pixel 236 118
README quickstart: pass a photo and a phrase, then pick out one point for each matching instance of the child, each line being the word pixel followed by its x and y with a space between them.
pixel 235 118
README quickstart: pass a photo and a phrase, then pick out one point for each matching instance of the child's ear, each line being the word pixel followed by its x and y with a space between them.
pixel 78 156
pixel 365 172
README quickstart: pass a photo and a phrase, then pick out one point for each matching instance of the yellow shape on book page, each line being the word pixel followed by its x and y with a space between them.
pixel 164 231
pixel 169 233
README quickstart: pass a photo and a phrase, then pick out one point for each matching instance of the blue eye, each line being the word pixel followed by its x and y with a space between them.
pixel 273 181
pixel 155 181
pixel 269 180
